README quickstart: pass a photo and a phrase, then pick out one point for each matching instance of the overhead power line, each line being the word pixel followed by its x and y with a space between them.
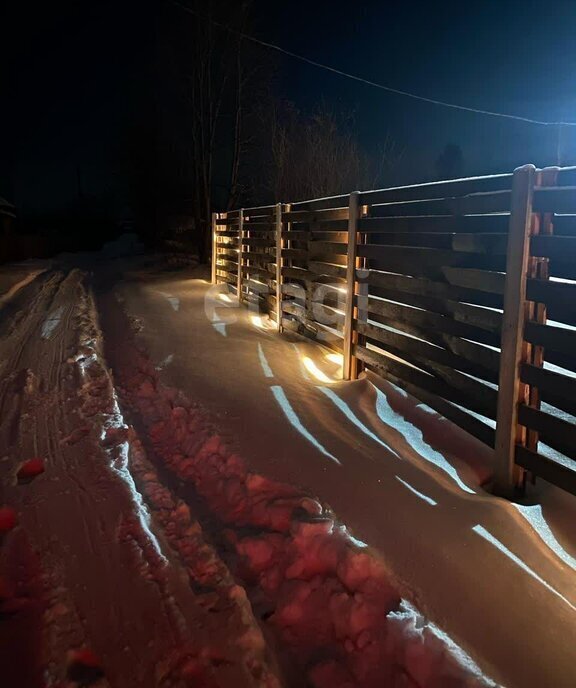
pixel 368 82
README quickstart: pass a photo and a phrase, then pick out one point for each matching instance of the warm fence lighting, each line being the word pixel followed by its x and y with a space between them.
pixel 313 369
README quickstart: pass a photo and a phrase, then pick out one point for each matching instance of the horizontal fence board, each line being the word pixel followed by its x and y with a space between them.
pixel 474 204
pixel 559 297
pixel 315 217
pixel 259 241
pixel 461 322
pixel 468 398
pixel 425 352
pixel 555 388
pixel 555 432
pixel 295 235
pixel 466 224
pixel 426 262
pixel 227 233
pixel 295 253
pixel 476 354
pixel 559 199
pixel 548 469
pixel 564 225
pixel 327 203
pixel 442 189
pixel 558 248
pixel 324 268
pixel 492 244
pixel 429 294
pixel 557 338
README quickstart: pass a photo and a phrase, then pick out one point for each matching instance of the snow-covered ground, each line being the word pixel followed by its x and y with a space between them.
pixel 498 578
pixel 223 510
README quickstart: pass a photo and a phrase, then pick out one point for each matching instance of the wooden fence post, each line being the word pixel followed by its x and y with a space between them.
pixel 510 389
pixel 214 247
pixel 240 237
pixel 279 246
pixel 349 367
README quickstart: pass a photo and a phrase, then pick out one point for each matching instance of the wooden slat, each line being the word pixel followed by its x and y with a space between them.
pixel 558 248
pixel 322 268
pixel 548 469
pixel 559 297
pixel 431 294
pixel 315 217
pixel 555 432
pixel 423 262
pixel 564 225
pixel 560 199
pixel 259 241
pixel 555 389
pixel 295 235
pixel 419 378
pixel 432 223
pixel 474 204
pixel 551 337
pixel 294 253
pixel 315 204
pixel 442 189
pixel 492 244
pixel 423 352
pixel 417 326
pixel 460 319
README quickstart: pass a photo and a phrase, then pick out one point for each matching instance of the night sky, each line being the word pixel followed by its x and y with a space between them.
pixel 76 74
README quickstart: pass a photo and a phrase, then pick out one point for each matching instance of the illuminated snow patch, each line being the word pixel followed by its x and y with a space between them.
pixel 264 362
pixel 289 412
pixel 52 322
pixel 120 467
pixel 172 300
pixel 417 629
pixel 427 499
pixel 165 362
pixel 480 530
pixel 313 369
pixel 220 327
pixel 535 517
pixel 347 411
pixel 414 437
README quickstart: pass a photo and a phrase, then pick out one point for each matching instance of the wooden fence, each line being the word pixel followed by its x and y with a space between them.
pixel 462 292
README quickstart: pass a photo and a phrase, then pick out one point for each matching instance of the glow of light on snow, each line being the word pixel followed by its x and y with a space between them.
pixel 165 362
pixel 427 499
pixel 356 541
pixel 258 322
pixel 172 300
pixel 414 437
pixel 480 530
pixel 333 357
pixel 52 322
pixel 220 327
pixel 534 516
pixel 347 411
pixel 411 620
pixel 264 362
pixel 289 412
pixel 120 465
pixel 313 369
pixel 302 367
pixel 225 298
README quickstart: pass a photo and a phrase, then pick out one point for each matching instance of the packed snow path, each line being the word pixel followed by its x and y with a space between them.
pixel 498 578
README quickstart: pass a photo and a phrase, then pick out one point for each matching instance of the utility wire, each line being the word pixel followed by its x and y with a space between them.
pixel 360 79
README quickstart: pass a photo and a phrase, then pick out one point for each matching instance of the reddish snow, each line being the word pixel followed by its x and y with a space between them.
pixel 30 469
pixel 7 519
